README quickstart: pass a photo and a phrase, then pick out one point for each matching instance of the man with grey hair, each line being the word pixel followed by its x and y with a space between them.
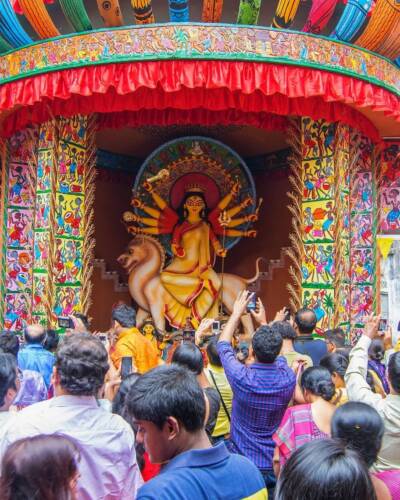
pixel 34 356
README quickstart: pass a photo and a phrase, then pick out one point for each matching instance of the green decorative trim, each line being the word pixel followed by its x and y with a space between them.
pixel 199 42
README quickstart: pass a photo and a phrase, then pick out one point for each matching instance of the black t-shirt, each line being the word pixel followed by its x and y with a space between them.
pixel 215 403
pixel 315 348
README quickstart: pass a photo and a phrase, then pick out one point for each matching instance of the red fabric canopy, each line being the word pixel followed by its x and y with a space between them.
pixel 223 86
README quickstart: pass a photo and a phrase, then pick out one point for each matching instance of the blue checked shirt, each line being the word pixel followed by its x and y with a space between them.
pixel 261 393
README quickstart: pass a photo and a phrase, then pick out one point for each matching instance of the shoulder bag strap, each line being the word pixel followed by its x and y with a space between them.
pixel 220 395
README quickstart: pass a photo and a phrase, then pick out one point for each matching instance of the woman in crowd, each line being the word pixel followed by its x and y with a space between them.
pixel 191 357
pixel 325 470
pixel 360 426
pixel 376 368
pixel 40 468
pixel 306 422
pixel 337 364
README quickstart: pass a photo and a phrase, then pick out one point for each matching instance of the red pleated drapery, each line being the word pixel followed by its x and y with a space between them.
pixel 174 90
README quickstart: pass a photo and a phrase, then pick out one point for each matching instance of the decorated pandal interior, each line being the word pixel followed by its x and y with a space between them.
pixel 172 154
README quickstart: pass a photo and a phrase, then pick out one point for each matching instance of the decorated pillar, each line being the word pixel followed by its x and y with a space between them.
pixel 72 250
pixel 43 272
pixel 363 230
pixel 18 207
pixel 333 204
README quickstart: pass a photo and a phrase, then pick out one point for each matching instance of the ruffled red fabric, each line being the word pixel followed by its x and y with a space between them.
pixel 246 87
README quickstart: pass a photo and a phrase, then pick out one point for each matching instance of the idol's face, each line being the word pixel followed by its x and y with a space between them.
pixel 148 329
pixel 194 204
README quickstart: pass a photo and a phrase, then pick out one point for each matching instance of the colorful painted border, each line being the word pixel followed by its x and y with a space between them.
pixel 197 41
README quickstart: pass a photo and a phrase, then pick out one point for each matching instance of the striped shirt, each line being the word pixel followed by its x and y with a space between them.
pixel 261 393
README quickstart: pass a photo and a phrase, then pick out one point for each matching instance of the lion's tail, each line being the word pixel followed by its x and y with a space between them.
pixel 257 275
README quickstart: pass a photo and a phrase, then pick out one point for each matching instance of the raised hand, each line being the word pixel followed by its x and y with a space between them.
pixel 259 313
pixel 280 315
pixel 204 330
pixel 239 307
pixel 371 327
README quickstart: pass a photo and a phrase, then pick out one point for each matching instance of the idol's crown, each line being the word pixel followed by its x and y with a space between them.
pixel 194 188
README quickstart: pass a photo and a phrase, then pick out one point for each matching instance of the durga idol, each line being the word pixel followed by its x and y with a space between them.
pixel 193 285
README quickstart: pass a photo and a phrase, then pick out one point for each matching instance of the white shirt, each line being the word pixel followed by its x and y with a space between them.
pixel 388 408
pixel 108 466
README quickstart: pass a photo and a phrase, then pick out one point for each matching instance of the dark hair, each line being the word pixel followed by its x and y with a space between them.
pixel 8 375
pixel 52 340
pixel 118 405
pixel 361 427
pixel 125 315
pixel 318 381
pixel 376 350
pixel 212 352
pixel 189 356
pixel 340 474
pixel 306 320
pixel 285 329
pixel 168 391
pixel 181 208
pixel 266 343
pixel 394 371
pixel 39 467
pixel 9 343
pixel 82 363
pixel 83 318
pixel 336 336
pixel 32 336
pixel 335 362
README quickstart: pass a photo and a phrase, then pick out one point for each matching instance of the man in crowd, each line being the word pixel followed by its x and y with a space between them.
pixel 130 342
pixel 305 323
pixel 168 406
pixel 388 407
pixel 32 386
pixel 217 378
pixel 108 467
pixel 261 391
pixel 34 356
pixel 335 339
pixel 9 386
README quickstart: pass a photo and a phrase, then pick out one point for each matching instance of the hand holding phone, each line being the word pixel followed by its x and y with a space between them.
pixel 65 322
pixel 383 325
pixel 252 304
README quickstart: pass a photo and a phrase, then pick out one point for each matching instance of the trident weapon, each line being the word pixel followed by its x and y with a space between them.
pixel 224 220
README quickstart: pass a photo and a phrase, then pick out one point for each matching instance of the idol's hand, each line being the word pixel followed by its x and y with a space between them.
pixel 250 234
pixel 221 252
pixel 147 186
pixel 130 217
pixel 134 230
pixel 236 187
pixel 252 218
pixel 177 250
pixel 135 202
pixel 247 202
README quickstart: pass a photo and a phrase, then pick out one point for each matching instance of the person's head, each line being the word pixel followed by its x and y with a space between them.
pixel 34 334
pixel 376 350
pixel 124 316
pixel 51 341
pixel 286 330
pixel 337 365
pixel 316 382
pixel 306 321
pixel 9 343
pixel 335 339
pixel 148 328
pixel 212 352
pixel 394 372
pixel 266 343
pixel 169 408
pixel 81 365
pixel 9 380
pixel 82 323
pixel 118 405
pixel 43 467
pixel 359 426
pixel 189 356
pixel 322 470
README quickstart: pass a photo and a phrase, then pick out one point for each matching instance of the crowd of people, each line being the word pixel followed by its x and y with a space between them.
pixel 281 414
